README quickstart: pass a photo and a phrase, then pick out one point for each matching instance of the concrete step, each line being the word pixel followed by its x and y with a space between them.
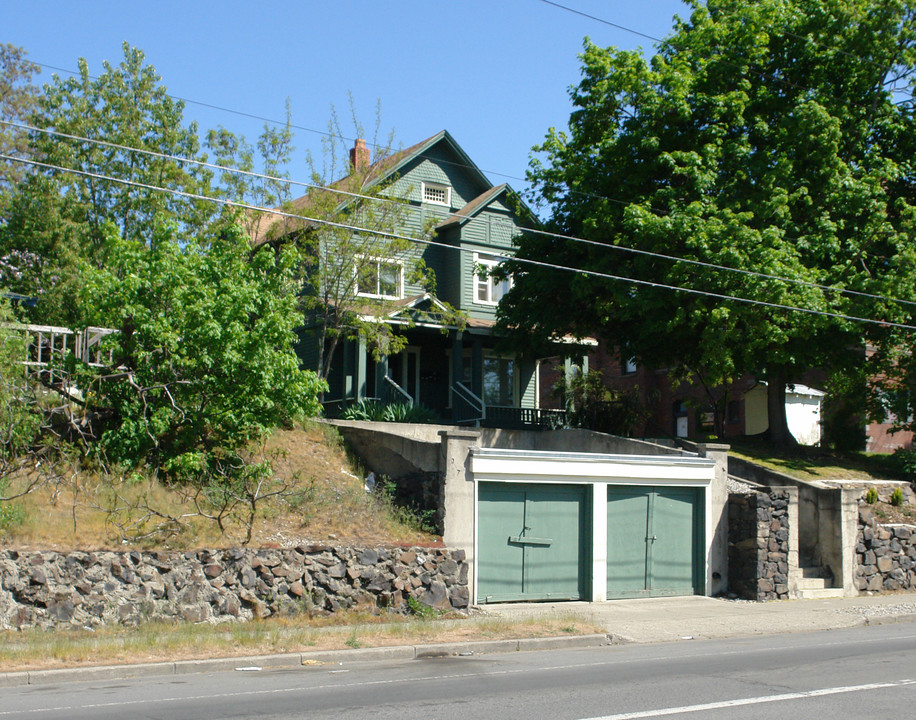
pixel 814 594
pixel 811 583
pixel 815 582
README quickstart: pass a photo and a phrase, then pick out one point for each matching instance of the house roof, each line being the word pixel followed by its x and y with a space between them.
pixel 275 224
pixel 474 206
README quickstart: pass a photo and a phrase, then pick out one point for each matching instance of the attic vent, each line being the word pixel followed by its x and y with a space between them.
pixel 437 194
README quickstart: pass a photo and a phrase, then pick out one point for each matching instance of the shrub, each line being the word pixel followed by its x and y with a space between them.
pixel 372 410
pixel 871 497
pixel 897 497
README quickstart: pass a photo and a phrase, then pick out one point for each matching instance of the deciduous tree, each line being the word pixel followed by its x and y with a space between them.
pixel 770 136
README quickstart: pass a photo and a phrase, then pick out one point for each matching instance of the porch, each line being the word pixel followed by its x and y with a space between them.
pixel 460 376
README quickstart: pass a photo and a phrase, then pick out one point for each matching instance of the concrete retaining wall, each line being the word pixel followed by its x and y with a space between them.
pixel 48 589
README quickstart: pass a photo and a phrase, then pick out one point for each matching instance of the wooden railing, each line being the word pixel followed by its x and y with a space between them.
pixel 513 418
pixel 468 407
pixel 50 345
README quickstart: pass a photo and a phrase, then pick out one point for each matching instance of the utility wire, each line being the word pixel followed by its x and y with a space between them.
pixel 284 123
pixel 433 243
pixel 534 231
pixel 662 41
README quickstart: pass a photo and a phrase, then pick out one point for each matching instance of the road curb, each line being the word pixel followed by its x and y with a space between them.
pixel 890 619
pixel 318 658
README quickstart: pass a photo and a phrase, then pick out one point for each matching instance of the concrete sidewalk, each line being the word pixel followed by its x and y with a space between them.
pixel 648 620
pixel 644 620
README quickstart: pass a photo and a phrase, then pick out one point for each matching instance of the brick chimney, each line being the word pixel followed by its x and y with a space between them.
pixel 359 155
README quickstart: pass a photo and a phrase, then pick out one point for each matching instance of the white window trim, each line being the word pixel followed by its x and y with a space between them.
pixel 490 262
pixel 379 261
pixel 436 186
pixel 516 379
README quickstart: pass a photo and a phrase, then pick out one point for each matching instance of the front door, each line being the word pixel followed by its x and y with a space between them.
pixel 655 541
pixel 531 542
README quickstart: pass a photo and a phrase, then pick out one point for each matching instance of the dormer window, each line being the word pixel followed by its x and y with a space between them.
pixel 436 194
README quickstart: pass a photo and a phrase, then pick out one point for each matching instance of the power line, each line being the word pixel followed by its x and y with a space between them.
pixel 536 231
pixel 283 123
pixel 663 41
pixel 433 243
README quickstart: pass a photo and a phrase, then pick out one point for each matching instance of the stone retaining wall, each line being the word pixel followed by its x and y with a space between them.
pixel 758 544
pixel 885 554
pixel 48 589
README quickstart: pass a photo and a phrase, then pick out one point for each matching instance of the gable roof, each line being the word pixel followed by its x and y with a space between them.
pixel 475 206
pixel 275 223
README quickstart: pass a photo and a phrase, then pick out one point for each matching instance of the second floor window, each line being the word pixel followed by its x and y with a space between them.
pixel 488 289
pixel 380 279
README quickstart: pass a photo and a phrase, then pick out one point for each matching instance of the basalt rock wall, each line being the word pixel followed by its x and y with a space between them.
pixel 49 589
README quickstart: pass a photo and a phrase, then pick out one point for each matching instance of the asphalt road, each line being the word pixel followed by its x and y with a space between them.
pixel 860 672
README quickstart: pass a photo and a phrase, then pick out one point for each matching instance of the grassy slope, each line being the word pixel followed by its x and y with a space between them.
pixel 327 503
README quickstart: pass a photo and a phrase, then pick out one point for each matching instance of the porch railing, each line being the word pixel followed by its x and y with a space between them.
pixel 513 418
pixel 49 345
pixel 469 408
pixel 391 392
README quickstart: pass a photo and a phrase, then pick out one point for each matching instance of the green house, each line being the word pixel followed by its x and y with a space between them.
pixel 448 358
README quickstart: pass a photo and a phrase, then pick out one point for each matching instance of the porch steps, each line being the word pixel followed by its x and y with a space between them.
pixel 814 582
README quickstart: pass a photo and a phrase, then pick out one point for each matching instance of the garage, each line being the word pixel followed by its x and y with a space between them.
pixel 532 542
pixel 590 526
pixel 654 541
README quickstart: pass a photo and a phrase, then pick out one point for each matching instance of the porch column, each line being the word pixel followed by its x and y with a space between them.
pixel 457 350
pixel 360 369
pixel 346 390
pixel 477 367
pixel 381 371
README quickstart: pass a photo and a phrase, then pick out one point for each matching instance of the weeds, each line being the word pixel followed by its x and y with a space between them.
pixel 421 610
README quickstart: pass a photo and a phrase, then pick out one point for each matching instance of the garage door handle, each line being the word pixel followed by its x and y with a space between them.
pixel 522 540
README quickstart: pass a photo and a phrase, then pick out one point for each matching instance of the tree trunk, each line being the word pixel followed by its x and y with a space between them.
pixel 778 430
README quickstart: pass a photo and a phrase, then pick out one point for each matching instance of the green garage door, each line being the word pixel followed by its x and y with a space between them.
pixel 655 541
pixel 531 542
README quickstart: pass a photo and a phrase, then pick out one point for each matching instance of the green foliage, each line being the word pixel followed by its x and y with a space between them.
pixel 125 105
pixel 56 219
pixel 410 516
pixel 11 515
pixel 20 419
pixel 871 496
pixel 353 640
pixel 897 497
pixel 421 610
pixel 372 410
pixel 203 356
pixel 17 100
pixel 905 462
pixel 764 136
pixel 591 404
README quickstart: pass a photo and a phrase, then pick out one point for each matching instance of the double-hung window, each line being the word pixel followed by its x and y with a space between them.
pixel 488 290
pixel 379 278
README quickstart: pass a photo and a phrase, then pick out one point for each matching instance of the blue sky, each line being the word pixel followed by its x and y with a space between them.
pixel 495 74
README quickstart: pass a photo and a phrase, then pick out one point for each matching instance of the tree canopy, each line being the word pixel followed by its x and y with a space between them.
pixel 203 359
pixel 771 136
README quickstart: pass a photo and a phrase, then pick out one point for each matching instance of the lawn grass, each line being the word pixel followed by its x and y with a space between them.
pixel 33 649
pixel 812 463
